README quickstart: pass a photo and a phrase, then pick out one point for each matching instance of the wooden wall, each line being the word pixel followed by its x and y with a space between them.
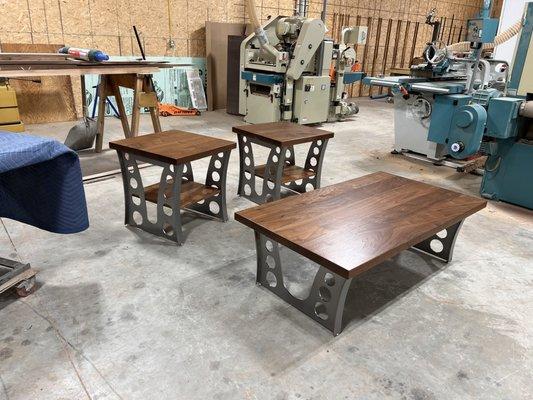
pixel 106 24
pixel 402 22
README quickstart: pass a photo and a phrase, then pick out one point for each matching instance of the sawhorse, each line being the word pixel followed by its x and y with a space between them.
pixel 144 95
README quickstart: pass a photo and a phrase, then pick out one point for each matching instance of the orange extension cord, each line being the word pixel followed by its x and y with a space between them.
pixel 167 110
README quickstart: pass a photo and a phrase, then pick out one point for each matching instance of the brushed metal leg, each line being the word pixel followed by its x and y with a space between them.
pixel 325 303
pixel 313 162
pixel 271 186
pixel 168 222
pixel 442 244
pixel 217 171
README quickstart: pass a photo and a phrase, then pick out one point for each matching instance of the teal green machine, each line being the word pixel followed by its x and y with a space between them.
pixel 509 130
pixel 495 119
pixel 497 123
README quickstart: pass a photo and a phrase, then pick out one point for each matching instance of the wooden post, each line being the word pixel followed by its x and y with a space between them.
pixel 102 93
pixel 136 105
pixel 115 89
pixel 153 107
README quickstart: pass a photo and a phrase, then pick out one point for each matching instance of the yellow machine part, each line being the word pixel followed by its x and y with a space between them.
pixel 9 112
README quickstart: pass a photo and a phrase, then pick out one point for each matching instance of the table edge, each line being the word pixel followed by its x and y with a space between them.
pixel 171 160
pixel 326 135
pixel 365 266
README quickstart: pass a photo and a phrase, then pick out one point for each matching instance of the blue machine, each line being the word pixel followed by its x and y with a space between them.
pixel 480 114
pixel 499 125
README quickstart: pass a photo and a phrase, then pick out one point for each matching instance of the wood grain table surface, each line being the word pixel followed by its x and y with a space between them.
pixel 173 147
pixel 283 133
pixel 352 226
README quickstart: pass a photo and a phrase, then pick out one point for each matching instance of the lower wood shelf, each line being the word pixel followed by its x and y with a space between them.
pixel 191 192
pixel 291 173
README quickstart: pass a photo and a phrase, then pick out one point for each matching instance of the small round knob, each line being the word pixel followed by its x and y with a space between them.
pixel 457 147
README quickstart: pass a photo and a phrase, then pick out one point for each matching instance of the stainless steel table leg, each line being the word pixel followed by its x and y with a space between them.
pixel 442 244
pixel 217 171
pixel 271 187
pixel 313 162
pixel 168 222
pixel 325 303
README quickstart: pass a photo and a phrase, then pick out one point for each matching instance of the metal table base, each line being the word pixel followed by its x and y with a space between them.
pixel 326 299
pixel 279 158
pixel 207 199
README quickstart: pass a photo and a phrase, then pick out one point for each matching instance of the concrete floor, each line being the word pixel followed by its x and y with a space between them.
pixel 121 314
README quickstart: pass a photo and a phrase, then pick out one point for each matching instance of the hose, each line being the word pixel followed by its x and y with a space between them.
pixel 526 110
pixel 258 29
pixel 501 38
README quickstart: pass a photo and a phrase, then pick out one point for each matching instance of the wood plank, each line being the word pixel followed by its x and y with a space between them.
pixel 31 56
pixel 216 60
pixel 354 225
pixel 191 192
pixel 283 133
pixel 27 274
pixel 78 71
pixel 51 100
pixel 173 147
pixel 291 173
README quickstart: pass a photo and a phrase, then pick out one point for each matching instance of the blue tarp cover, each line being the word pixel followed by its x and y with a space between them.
pixel 41 184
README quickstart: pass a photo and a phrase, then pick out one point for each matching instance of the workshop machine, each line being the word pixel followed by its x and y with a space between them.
pixel 290 71
pixel 463 106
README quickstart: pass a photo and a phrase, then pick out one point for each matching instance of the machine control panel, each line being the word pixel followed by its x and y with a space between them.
pixel 481 30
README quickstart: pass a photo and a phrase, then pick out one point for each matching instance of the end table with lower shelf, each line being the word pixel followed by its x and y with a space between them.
pixel 280 169
pixel 173 150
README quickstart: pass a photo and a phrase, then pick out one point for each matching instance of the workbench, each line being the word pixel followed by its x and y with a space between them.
pixel 349 228
pixel 135 75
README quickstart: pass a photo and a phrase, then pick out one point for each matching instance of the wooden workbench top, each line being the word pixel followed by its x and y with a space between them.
pixel 22 65
pixel 354 225
pixel 173 147
pixel 283 133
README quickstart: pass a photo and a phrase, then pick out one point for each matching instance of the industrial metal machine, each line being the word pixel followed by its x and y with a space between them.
pixel 290 71
pixel 464 105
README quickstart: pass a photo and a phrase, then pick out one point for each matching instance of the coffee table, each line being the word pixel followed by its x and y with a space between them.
pixel 349 228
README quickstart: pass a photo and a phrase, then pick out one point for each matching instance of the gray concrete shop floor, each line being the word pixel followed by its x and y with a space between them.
pixel 121 314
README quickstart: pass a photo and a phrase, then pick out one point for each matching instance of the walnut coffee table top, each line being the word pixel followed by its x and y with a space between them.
pixel 354 225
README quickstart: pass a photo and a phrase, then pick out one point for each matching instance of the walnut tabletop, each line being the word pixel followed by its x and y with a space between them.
pixel 354 225
pixel 283 133
pixel 173 147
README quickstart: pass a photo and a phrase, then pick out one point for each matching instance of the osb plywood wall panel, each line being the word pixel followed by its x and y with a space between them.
pixel 106 24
